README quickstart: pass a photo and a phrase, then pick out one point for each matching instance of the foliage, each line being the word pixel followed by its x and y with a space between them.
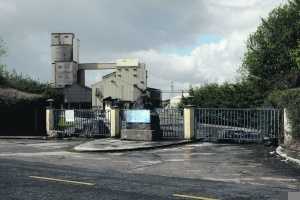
pixel 62 124
pixel 272 59
pixel 290 100
pixel 227 95
pixel 24 83
pixel 2 53
pixel 271 63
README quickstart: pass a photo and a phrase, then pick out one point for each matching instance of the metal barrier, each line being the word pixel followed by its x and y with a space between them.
pixel 87 123
pixel 237 125
pixel 171 123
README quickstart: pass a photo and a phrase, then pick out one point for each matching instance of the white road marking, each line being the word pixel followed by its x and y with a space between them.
pixel 174 160
pixel 53 153
pixel 62 180
pixel 192 197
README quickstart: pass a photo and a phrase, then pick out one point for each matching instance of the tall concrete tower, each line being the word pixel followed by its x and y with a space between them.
pixel 65 59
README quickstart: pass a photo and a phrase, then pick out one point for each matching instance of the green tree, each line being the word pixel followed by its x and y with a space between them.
pixel 272 59
pixel 2 67
pixel 25 83
pixel 227 95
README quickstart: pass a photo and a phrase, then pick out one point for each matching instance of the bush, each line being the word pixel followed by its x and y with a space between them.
pixel 290 100
pixel 227 95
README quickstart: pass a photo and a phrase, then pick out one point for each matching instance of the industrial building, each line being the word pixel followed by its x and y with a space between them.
pixel 127 85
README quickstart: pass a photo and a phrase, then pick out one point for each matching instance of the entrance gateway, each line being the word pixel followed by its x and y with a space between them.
pixel 238 125
pixel 210 124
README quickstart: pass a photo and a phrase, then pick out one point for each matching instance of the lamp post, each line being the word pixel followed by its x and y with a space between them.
pixel 50 103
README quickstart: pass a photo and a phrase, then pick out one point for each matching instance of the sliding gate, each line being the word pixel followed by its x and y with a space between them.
pixel 82 122
pixel 238 125
pixel 171 123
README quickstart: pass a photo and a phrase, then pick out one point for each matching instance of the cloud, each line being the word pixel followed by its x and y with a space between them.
pixel 166 35
pixel 213 62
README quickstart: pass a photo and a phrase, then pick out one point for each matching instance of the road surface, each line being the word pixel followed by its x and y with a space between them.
pixel 32 169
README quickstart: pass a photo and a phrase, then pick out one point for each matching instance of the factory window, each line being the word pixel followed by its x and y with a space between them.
pixel 66 36
pixel 134 69
pixel 59 66
pixel 56 36
pixel 135 75
pixel 126 69
pixel 142 82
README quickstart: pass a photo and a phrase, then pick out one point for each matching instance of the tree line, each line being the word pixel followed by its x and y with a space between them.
pixel 270 65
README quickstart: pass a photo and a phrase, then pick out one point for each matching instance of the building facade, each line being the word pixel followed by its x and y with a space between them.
pixel 126 84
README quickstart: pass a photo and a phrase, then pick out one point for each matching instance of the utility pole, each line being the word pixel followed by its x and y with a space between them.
pixel 172 89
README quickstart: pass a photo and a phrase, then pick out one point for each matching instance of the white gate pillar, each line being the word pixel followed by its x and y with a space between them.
pixel 189 123
pixel 287 128
pixel 50 123
pixel 115 122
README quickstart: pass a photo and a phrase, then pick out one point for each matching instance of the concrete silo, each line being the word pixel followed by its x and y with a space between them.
pixel 64 50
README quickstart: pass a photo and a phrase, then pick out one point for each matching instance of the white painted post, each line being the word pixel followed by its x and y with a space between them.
pixel 50 123
pixel 189 116
pixel 115 122
pixel 287 129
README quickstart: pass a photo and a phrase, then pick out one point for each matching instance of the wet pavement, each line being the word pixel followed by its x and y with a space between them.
pixel 217 171
pixel 114 145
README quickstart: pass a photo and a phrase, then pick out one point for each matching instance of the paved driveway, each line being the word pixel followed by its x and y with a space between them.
pixel 191 171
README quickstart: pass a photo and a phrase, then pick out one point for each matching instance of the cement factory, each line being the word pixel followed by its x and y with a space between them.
pixel 126 86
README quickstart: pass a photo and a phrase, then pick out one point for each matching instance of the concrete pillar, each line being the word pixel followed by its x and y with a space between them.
pixel 50 123
pixel 81 77
pixel 287 128
pixel 189 122
pixel 115 122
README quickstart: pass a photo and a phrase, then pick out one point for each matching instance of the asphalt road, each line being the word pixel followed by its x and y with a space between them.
pixel 46 170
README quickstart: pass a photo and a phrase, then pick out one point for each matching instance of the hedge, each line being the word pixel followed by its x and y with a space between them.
pixel 290 100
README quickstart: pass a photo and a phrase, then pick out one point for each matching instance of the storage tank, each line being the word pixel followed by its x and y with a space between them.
pixel 62 47
pixel 65 73
pixel 62 54
pixel 62 39
pixel 62 58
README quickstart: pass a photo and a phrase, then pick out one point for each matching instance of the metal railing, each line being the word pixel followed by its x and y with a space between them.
pixel 237 125
pixel 171 123
pixel 86 123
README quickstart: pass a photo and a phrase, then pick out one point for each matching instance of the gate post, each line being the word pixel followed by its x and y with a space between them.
pixel 189 122
pixel 287 128
pixel 115 122
pixel 50 123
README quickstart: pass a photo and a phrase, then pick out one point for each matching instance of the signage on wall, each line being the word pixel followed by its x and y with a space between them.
pixel 69 115
pixel 137 116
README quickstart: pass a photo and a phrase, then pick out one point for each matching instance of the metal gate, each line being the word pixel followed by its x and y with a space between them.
pixel 87 123
pixel 238 125
pixel 171 123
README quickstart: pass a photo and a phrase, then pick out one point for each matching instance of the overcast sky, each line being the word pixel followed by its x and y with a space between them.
pixel 185 41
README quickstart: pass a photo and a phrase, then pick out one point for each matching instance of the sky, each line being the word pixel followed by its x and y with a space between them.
pixel 190 42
